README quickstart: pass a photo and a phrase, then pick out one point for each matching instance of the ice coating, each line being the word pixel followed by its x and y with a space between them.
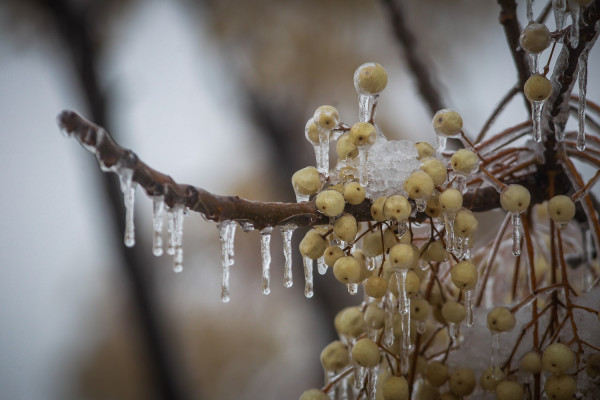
pixel 516 234
pixel 440 144
pixel 449 226
pixel 265 254
pixel 322 153
pixel 559 8
pixel 158 210
pixel 286 232
pixel 128 189
pixel 582 81
pixel 534 62
pixel 308 277
pixel 226 234
pixel 536 118
pixel 178 238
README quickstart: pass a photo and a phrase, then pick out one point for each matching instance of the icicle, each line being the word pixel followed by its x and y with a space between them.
pixel 582 80
pixel 452 330
pixel 460 183
pixel 367 104
pixel 440 145
pixel 404 362
pixel 322 153
pixel 421 204
pixel 534 62
pixel 363 157
pixel 265 253
pixel 388 336
pixel 449 226
pixel 469 307
pixel 171 232
pixel 421 326
pixel 352 288
pixel 371 383
pixel 227 234
pixel 536 118
pixel 575 14
pixel 495 359
pixel 302 197
pixel 178 239
pixel 359 375
pixel 530 10
pixel 403 307
pixel 246 226
pixel 559 9
pixel 343 388
pixel 128 189
pixel 308 277
pixel 286 232
pixel 158 209
pixel 331 394
pixel 321 266
pixel 466 253
pixel 516 234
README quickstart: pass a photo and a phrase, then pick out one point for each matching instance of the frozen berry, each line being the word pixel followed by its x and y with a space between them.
pixel 326 118
pixel 462 381
pixel 447 122
pixel 490 379
pixel 435 169
pixel 560 387
pixel 363 134
pixel 307 181
pixel 374 316
pixel 424 150
pixel 464 275
pixel 345 148
pixel 465 223
pixel 354 193
pixel 366 353
pixel 561 209
pixel 451 200
pixel 434 251
pixel 313 245
pixel 376 287
pixel 349 322
pixel 433 207
pixel 515 198
pixel 535 38
pixel 404 256
pixel 334 356
pixel 370 78
pixel 436 373
pixel 464 162
pixel 395 388
pixel 347 270
pixel 509 390
pixel 412 285
pixel 419 185
pixel 537 88
pixel 372 244
pixel 311 132
pixel 531 362
pixel 332 253
pixel 396 207
pixel 419 309
pixel 377 209
pixel 557 358
pixel 330 202
pixel 345 227
pixel 500 319
pixel 454 312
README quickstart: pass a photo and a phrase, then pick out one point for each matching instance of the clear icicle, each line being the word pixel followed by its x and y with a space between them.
pixel 158 209
pixel 302 197
pixel 469 307
pixel 265 254
pixel 421 204
pixel 372 383
pixel 536 118
pixel 308 277
pixel 331 394
pixel 171 232
pixel 322 153
pixel 178 239
pixel 452 330
pixel 363 157
pixel 530 10
pixel 582 81
pixel 321 266
pixel 495 358
pixel 128 189
pixel 404 307
pixel 460 183
pixel 286 233
pixel 367 104
pixel 440 145
pixel 466 255
pixel 575 15
pixel 404 362
pixel 359 375
pixel 534 62
pixel 352 288
pixel 227 234
pixel 449 226
pixel 516 234
pixel 559 9
pixel 388 336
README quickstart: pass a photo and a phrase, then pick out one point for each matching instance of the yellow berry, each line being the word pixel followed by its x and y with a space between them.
pixel 433 208
pixel 592 367
pixel 345 148
pixel 326 118
pixel 531 362
pixel 334 356
pixel 404 255
pixel 311 132
pixel 557 358
pixel 332 253
pixel 313 245
pixel 515 198
pixel 313 394
pixel 345 227
pixel 412 285
pixel 462 381
pixel 419 309
pixel 354 193
pixel 396 207
pixel 490 380
pixel 395 388
pixel 376 287
pixel 535 38
pixel 366 353
pixel 464 275
pixel 350 322
pixel 447 122
pixel 419 185
pixel 374 316
pixel 465 223
pixel 451 200
pixel 347 270
pixel 370 78
pixel 424 150
pixel 561 209
pixel 436 373
pixel 377 209
pixel 537 88
pixel 500 319
pixel 454 312
pixel 509 390
pixel 435 169
pixel 560 387
pixel 363 134
pixel 372 244
pixel 464 162
pixel 330 202
pixel 338 187
pixel 434 251
pixel 389 239
pixel 307 181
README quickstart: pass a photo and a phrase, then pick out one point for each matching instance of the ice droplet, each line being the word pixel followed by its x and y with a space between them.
pixel 530 10
pixel 302 197
pixel 536 119
pixel 286 232
pixel 321 266
pixel 178 238
pixel 404 362
pixel 559 8
pixel 460 183
pixel 158 210
pixel 128 189
pixel 575 15
pixel 308 277
pixel 469 307
pixel 226 234
pixel 265 254
pixel 582 80
pixel 495 358
pixel 516 234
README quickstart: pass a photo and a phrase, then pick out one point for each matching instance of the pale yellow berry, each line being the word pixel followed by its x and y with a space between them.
pixel 326 118
pixel 345 148
pixel 412 285
pixel 307 181
pixel 434 252
pixel 313 394
pixel 395 388
pixel 389 239
pixel 313 245
pixel 447 122
pixel 349 322
pixel 396 207
pixel 537 88
pixel 531 362
pixel 366 353
pixel 311 132
pixel 372 244
pixel 376 287
pixel 370 78
pixel 500 319
pixel 360 256
pixel 465 223
pixel 535 38
pixel 557 358
pixel 464 162
pixel 419 185
pixel 433 207
pixel 404 256
pixel 515 198
pixel 435 169
pixel 454 312
pixel 374 316
pixel 424 150
pixel 419 309
pixel 377 209
pixel 451 200
pixel 330 202
pixel 345 227
pixel 462 381
pixel 436 373
pixel 560 387
pixel 354 193
pixel 489 380
pixel 347 270
pixel 334 356
pixel 592 367
pixel 363 134
pixel 464 275
pixel 332 253
pixel 509 390
pixel 338 187
pixel 561 209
